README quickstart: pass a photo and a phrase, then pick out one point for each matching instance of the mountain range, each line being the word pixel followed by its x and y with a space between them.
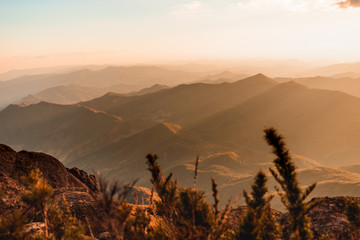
pixel 74 93
pixel 111 78
pixel 222 123
pixel 348 85
pixel 71 84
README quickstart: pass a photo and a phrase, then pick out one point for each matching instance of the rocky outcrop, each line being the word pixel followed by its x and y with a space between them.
pixel 327 219
pixel 75 186
pixel 35 228
pixel 7 159
pixel 88 179
pixel 141 196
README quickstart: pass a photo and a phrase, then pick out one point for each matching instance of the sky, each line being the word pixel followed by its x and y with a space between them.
pixel 41 33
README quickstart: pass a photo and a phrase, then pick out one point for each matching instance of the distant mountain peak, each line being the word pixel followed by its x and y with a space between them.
pixel 258 78
pixel 154 88
pixel 159 85
pixel 293 84
pixel 113 94
pixel 12 107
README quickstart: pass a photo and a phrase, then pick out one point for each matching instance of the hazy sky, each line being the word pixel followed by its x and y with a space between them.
pixel 37 33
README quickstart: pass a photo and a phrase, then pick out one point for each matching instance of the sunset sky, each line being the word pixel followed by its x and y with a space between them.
pixel 61 32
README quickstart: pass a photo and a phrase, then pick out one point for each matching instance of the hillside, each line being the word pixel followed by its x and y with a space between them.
pixel 344 84
pixel 67 131
pixel 334 69
pixel 85 201
pixel 119 79
pixel 63 95
pixel 225 76
pixel 152 89
pixel 331 182
pixel 75 93
pixel 220 122
pixel 79 190
pixel 12 74
pixel 318 124
pixel 346 75
pixel 185 104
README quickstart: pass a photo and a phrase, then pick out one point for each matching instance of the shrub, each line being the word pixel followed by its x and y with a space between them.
pixel 258 221
pixel 293 196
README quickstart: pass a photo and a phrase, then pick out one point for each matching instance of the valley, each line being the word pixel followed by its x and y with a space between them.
pixel 220 122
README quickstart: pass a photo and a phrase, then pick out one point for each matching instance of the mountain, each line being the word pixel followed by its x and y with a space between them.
pixel 152 89
pixel 334 69
pixel 67 131
pixel 186 103
pixel 273 69
pixel 119 79
pixel 139 76
pixel 346 75
pixel 14 90
pixel 222 123
pixel 347 85
pixel 46 70
pixel 63 95
pixel 106 131
pixel 318 124
pixel 351 168
pixel 331 182
pixel 74 93
pixel 225 76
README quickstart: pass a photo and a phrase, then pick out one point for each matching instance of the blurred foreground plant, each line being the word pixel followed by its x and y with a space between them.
pixel 293 197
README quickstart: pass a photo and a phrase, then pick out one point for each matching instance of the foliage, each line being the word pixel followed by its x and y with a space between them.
pixel 62 224
pixel 137 226
pixel 185 211
pixel 12 226
pixel 258 222
pixel 178 212
pixel 117 209
pixel 59 223
pixel 37 195
pixel 293 196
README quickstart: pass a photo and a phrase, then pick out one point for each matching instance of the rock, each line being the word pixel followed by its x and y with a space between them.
pixel 35 228
pixel 7 159
pixel 104 236
pixel 52 170
pixel 140 196
pixel 86 209
pixel 327 218
pixel 79 191
pixel 10 197
pixel 88 180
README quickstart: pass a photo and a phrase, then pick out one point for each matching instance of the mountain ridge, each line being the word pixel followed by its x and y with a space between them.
pixel 112 133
